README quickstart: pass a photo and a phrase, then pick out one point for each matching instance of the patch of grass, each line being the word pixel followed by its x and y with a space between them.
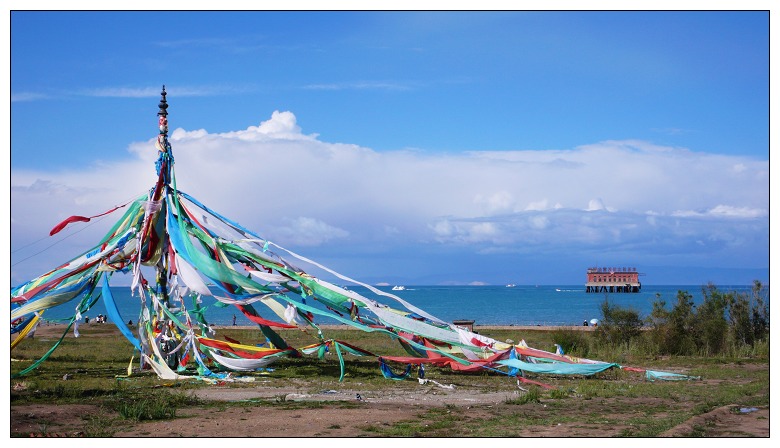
pixel 151 406
pixel 147 409
pixel 100 425
pixel 652 421
pixel 511 421
pixel 559 394
pixel 436 422
pixel 532 396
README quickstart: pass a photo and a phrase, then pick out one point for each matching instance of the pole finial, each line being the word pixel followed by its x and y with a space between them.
pixel 163 113
pixel 163 103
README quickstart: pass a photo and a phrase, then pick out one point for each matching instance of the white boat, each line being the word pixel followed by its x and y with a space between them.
pixel 398 288
pixel 511 285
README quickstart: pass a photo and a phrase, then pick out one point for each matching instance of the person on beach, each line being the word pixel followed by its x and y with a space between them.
pixel 234 320
pixel 585 323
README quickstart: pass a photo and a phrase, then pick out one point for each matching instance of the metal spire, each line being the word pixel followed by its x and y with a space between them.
pixel 163 121
pixel 163 103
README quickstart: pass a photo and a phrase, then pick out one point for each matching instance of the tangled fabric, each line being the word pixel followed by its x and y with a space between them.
pixel 178 251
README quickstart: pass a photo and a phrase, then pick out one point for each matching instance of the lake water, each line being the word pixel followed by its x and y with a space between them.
pixel 486 305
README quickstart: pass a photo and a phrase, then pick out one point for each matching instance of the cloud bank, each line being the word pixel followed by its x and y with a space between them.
pixel 612 200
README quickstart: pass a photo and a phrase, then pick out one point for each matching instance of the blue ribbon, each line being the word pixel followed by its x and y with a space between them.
pixel 113 313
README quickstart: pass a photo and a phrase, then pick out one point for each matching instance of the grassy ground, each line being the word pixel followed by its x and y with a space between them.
pixel 92 370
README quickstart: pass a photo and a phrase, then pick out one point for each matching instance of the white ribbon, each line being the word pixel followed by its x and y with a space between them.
pixel 191 278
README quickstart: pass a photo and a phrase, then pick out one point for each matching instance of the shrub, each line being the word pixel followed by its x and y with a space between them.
pixel 711 327
pixel 706 329
pixel 749 315
pixel 572 342
pixel 672 332
pixel 618 325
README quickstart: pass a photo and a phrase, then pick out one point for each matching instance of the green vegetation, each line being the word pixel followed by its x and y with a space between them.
pixel 573 342
pixel 724 340
pixel 618 325
pixel 159 406
pixel 725 323
pixel 532 396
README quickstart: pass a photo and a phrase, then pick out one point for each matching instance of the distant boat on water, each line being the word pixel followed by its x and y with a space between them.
pixel 511 285
pixel 399 288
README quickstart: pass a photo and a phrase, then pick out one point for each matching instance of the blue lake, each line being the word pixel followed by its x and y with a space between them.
pixel 486 305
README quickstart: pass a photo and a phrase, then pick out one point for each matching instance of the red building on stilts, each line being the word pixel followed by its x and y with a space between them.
pixel 613 280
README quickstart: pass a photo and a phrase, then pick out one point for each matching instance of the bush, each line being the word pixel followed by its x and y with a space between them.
pixel 749 316
pixel 618 325
pixel 672 331
pixel 706 329
pixel 572 342
pixel 711 326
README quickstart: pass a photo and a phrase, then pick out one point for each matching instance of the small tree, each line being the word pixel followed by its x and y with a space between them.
pixel 673 332
pixel 711 326
pixel 749 315
pixel 659 325
pixel 760 311
pixel 618 325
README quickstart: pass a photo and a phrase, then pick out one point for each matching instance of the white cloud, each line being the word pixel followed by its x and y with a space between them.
pixel 738 212
pixel 124 92
pixel 595 205
pixel 539 222
pixel 303 231
pixel 538 205
pixel 298 190
pixel 500 201
pixel 154 91
pixel 28 96
pixel 360 85
pixel 180 134
pixel 724 211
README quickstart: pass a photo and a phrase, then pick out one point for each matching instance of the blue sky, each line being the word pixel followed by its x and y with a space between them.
pixel 410 147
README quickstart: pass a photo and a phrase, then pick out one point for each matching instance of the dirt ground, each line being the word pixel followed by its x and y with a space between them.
pixel 351 413
pixel 380 409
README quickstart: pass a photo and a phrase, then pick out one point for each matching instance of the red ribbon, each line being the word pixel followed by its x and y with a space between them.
pixel 62 225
